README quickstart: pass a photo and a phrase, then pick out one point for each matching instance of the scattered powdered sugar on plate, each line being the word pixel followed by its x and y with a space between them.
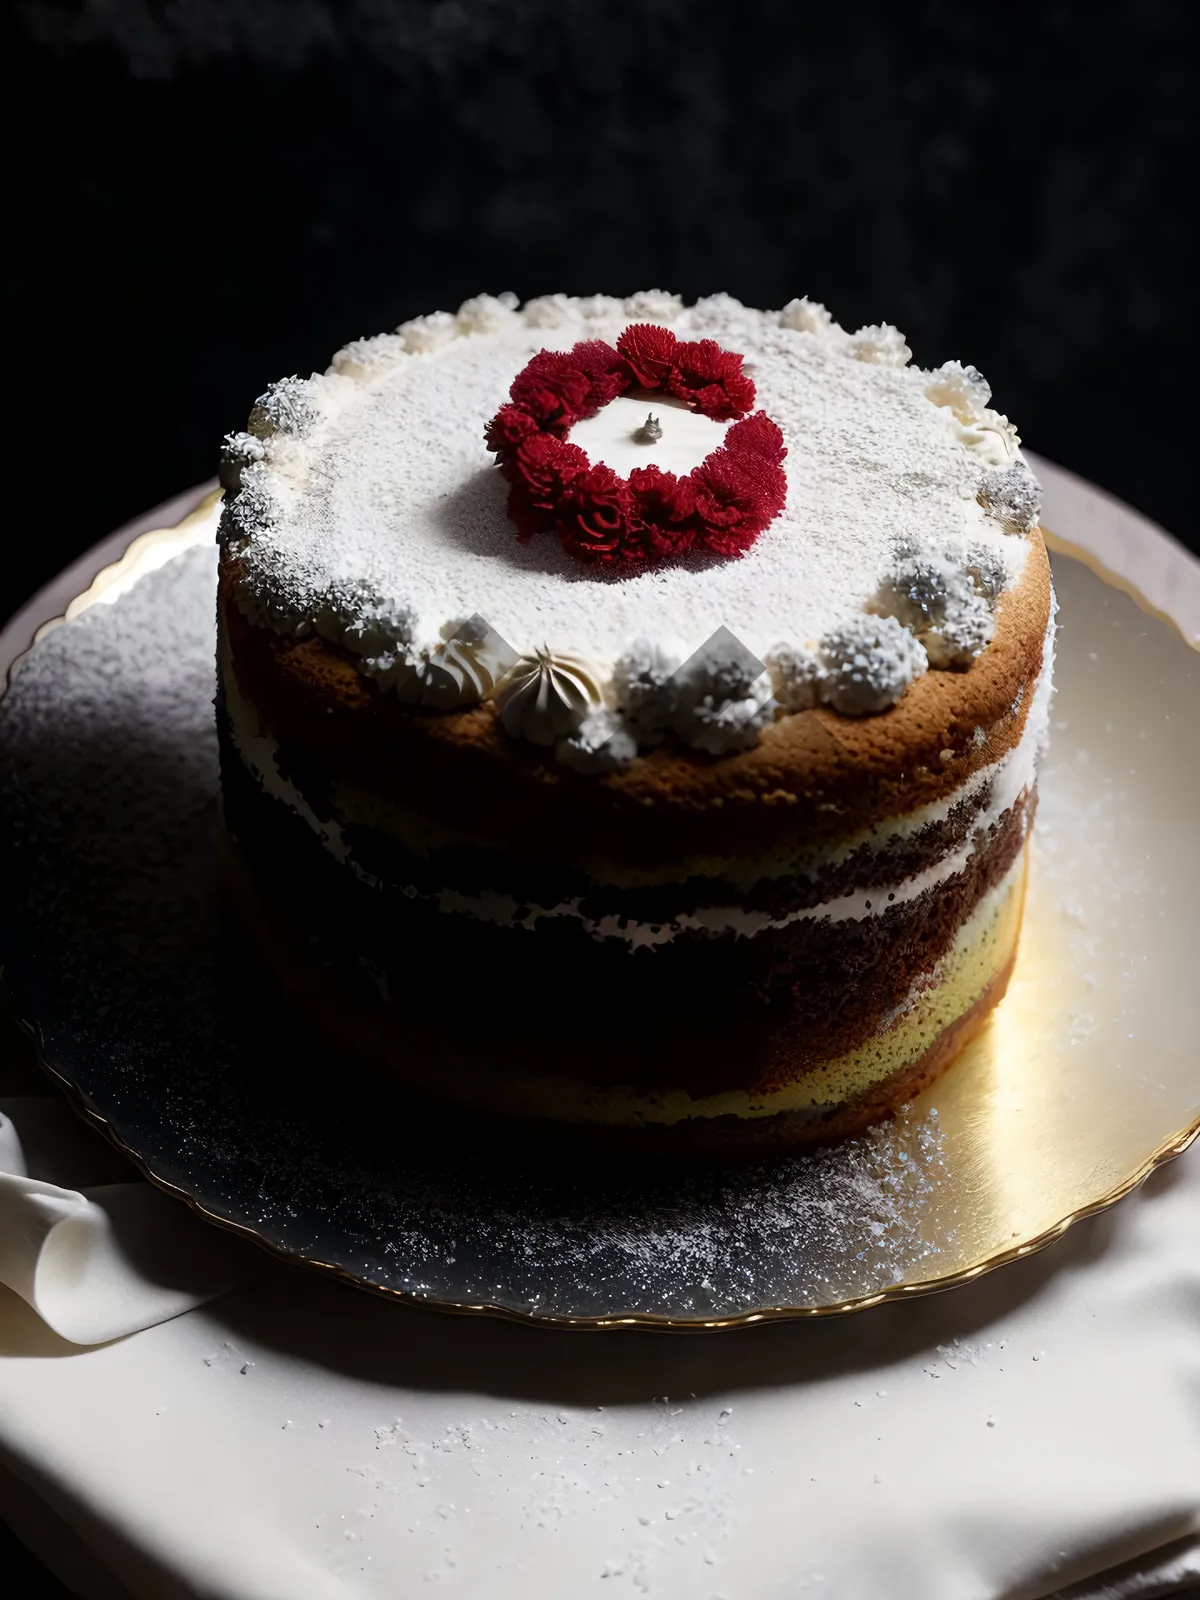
pixel 113 948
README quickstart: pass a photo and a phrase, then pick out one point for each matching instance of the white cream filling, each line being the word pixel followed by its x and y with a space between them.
pixel 1010 777
pixel 743 923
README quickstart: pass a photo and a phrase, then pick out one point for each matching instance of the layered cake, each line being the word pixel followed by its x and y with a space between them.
pixel 630 712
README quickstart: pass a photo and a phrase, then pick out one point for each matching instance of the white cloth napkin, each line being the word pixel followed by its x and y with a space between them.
pixel 97 1261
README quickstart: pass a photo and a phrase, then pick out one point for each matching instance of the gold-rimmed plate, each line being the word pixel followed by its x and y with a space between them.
pixel 1087 1077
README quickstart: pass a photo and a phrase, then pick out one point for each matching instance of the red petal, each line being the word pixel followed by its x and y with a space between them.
pixel 666 506
pixel 649 353
pixel 595 358
pixel 551 389
pixel 508 427
pixel 737 495
pixel 711 380
pixel 756 435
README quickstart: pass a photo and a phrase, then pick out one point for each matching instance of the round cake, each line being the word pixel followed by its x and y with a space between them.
pixel 630 712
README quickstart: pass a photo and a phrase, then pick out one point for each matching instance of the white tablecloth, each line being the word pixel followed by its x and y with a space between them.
pixel 299 1440
pixel 1036 1433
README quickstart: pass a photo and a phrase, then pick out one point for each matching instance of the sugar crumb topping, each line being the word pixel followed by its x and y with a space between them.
pixel 365 506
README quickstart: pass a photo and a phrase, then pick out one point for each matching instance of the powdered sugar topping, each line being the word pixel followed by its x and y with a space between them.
pixel 364 504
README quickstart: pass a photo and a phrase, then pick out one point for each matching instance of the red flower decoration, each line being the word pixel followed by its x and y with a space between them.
pixel 721 505
pixel 508 427
pixel 545 464
pixel 597 519
pixel 757 436
pixel 733 494
pixel 601 366
pixel 552 391
pixel 666 507
pixel 649 354
pixel 710 380
pixel 539 469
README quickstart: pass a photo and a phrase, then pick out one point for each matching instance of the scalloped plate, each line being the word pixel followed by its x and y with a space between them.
pixel 143 1009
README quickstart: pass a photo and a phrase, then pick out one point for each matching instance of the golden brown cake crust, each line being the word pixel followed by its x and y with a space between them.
pixel 812 776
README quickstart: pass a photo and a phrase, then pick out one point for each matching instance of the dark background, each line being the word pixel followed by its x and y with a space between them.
pixel 212 193
pixel 206 194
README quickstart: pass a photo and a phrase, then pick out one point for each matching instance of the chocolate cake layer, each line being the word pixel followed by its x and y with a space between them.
pixel 703 1012
pixel 439 1064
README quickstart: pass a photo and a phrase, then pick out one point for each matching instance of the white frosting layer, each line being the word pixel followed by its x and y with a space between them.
pixel 611 436
pixel 368 507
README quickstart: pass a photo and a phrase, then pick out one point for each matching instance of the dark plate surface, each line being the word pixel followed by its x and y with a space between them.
pixel 145 1008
